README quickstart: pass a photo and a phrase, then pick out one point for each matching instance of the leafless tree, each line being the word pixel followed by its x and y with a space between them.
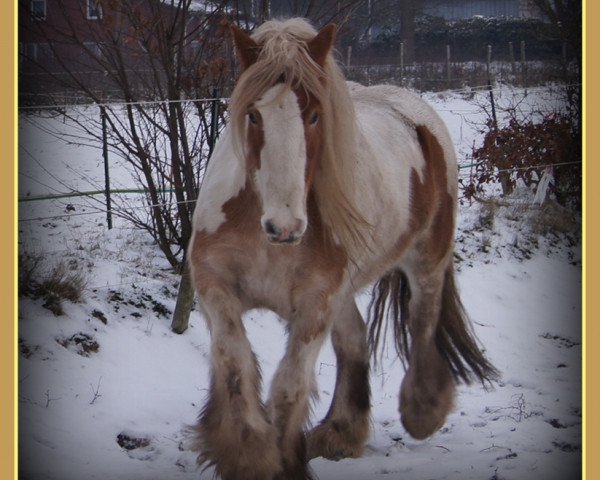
pixel 145 63
pixel 566 16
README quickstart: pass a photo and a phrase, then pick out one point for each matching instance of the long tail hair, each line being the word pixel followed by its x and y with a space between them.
pixel 454 337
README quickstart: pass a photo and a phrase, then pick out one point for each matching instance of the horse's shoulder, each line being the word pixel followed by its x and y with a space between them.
pixel 224 179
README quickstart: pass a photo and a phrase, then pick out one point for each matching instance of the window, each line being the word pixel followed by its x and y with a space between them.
pixel 38 9
pixel 92 48
pixel 45 52
pixel 31 51
pixel 94 10
pixel 36 52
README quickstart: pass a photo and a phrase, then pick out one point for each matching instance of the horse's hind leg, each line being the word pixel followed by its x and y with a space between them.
pixel 233 432
pixel 345 429
pixel 427 391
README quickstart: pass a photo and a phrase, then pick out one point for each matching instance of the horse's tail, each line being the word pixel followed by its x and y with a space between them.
pixel 454 336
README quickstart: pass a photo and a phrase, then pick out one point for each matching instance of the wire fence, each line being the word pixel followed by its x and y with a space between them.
pixel 134 199
pixel 168 204
pixel 443 71
pixel 60 107
pixel 102 208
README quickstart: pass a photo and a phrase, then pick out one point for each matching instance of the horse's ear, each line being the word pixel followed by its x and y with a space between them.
pixel 247 49
pixel 320 46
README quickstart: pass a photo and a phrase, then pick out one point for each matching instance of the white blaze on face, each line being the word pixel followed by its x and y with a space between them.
pixel 281 178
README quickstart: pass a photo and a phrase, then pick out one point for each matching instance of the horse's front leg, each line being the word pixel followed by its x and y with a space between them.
pixel 233 431
pixel 345 429
pixel 293 386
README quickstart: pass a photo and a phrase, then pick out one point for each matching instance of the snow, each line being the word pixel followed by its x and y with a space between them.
pixel 146 384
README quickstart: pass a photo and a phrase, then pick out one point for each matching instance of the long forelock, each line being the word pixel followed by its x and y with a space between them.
pixel 284 55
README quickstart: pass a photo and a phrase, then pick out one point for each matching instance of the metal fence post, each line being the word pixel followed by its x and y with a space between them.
pixel 489 84
pixel 106 167
pixel 214 121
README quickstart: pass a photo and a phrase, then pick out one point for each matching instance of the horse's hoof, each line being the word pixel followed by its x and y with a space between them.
pixel 423 410
pixel 334 441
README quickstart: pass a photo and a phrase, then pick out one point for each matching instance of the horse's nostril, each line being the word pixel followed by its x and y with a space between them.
pixel 271 229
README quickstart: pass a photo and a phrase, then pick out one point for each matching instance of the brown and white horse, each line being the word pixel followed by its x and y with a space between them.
pixel 317 189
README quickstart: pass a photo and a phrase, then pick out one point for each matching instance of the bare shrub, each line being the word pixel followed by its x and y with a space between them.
pixel 66 284
pixel 29 270
pixel 523 151
pixel 553 218
pixel 53 286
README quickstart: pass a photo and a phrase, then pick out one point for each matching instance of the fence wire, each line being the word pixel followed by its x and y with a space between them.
pixel 464 90
pixel 121 211
pixel 484 89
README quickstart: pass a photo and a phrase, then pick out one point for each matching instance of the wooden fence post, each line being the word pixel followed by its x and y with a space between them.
pixel 524 66
pixel 401 63
pixel 511 53
pixel 448 62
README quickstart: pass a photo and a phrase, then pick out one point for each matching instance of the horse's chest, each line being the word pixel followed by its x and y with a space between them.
pixel 268 278
pixel 285 279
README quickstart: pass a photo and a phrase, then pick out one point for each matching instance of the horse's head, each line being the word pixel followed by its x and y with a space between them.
pixel 280 128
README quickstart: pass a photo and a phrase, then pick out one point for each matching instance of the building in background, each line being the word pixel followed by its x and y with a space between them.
pixel 463 9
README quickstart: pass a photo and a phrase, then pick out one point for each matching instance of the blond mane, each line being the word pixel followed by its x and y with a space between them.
pixel 284 54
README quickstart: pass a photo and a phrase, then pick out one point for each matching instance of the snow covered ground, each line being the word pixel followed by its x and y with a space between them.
pixel 106 389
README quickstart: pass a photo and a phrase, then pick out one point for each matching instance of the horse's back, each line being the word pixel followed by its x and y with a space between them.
pixel 405 170
pixel 385 102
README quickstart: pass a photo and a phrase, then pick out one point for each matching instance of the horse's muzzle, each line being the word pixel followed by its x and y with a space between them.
pixel 282 235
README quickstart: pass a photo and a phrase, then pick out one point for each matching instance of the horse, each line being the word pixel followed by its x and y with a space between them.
pixel 317 189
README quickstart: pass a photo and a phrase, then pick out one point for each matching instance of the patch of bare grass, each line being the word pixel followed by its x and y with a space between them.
pixel 52 285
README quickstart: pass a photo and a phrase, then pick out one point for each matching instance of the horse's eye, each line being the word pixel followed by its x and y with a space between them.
pixel 313 118
pixel 252 117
